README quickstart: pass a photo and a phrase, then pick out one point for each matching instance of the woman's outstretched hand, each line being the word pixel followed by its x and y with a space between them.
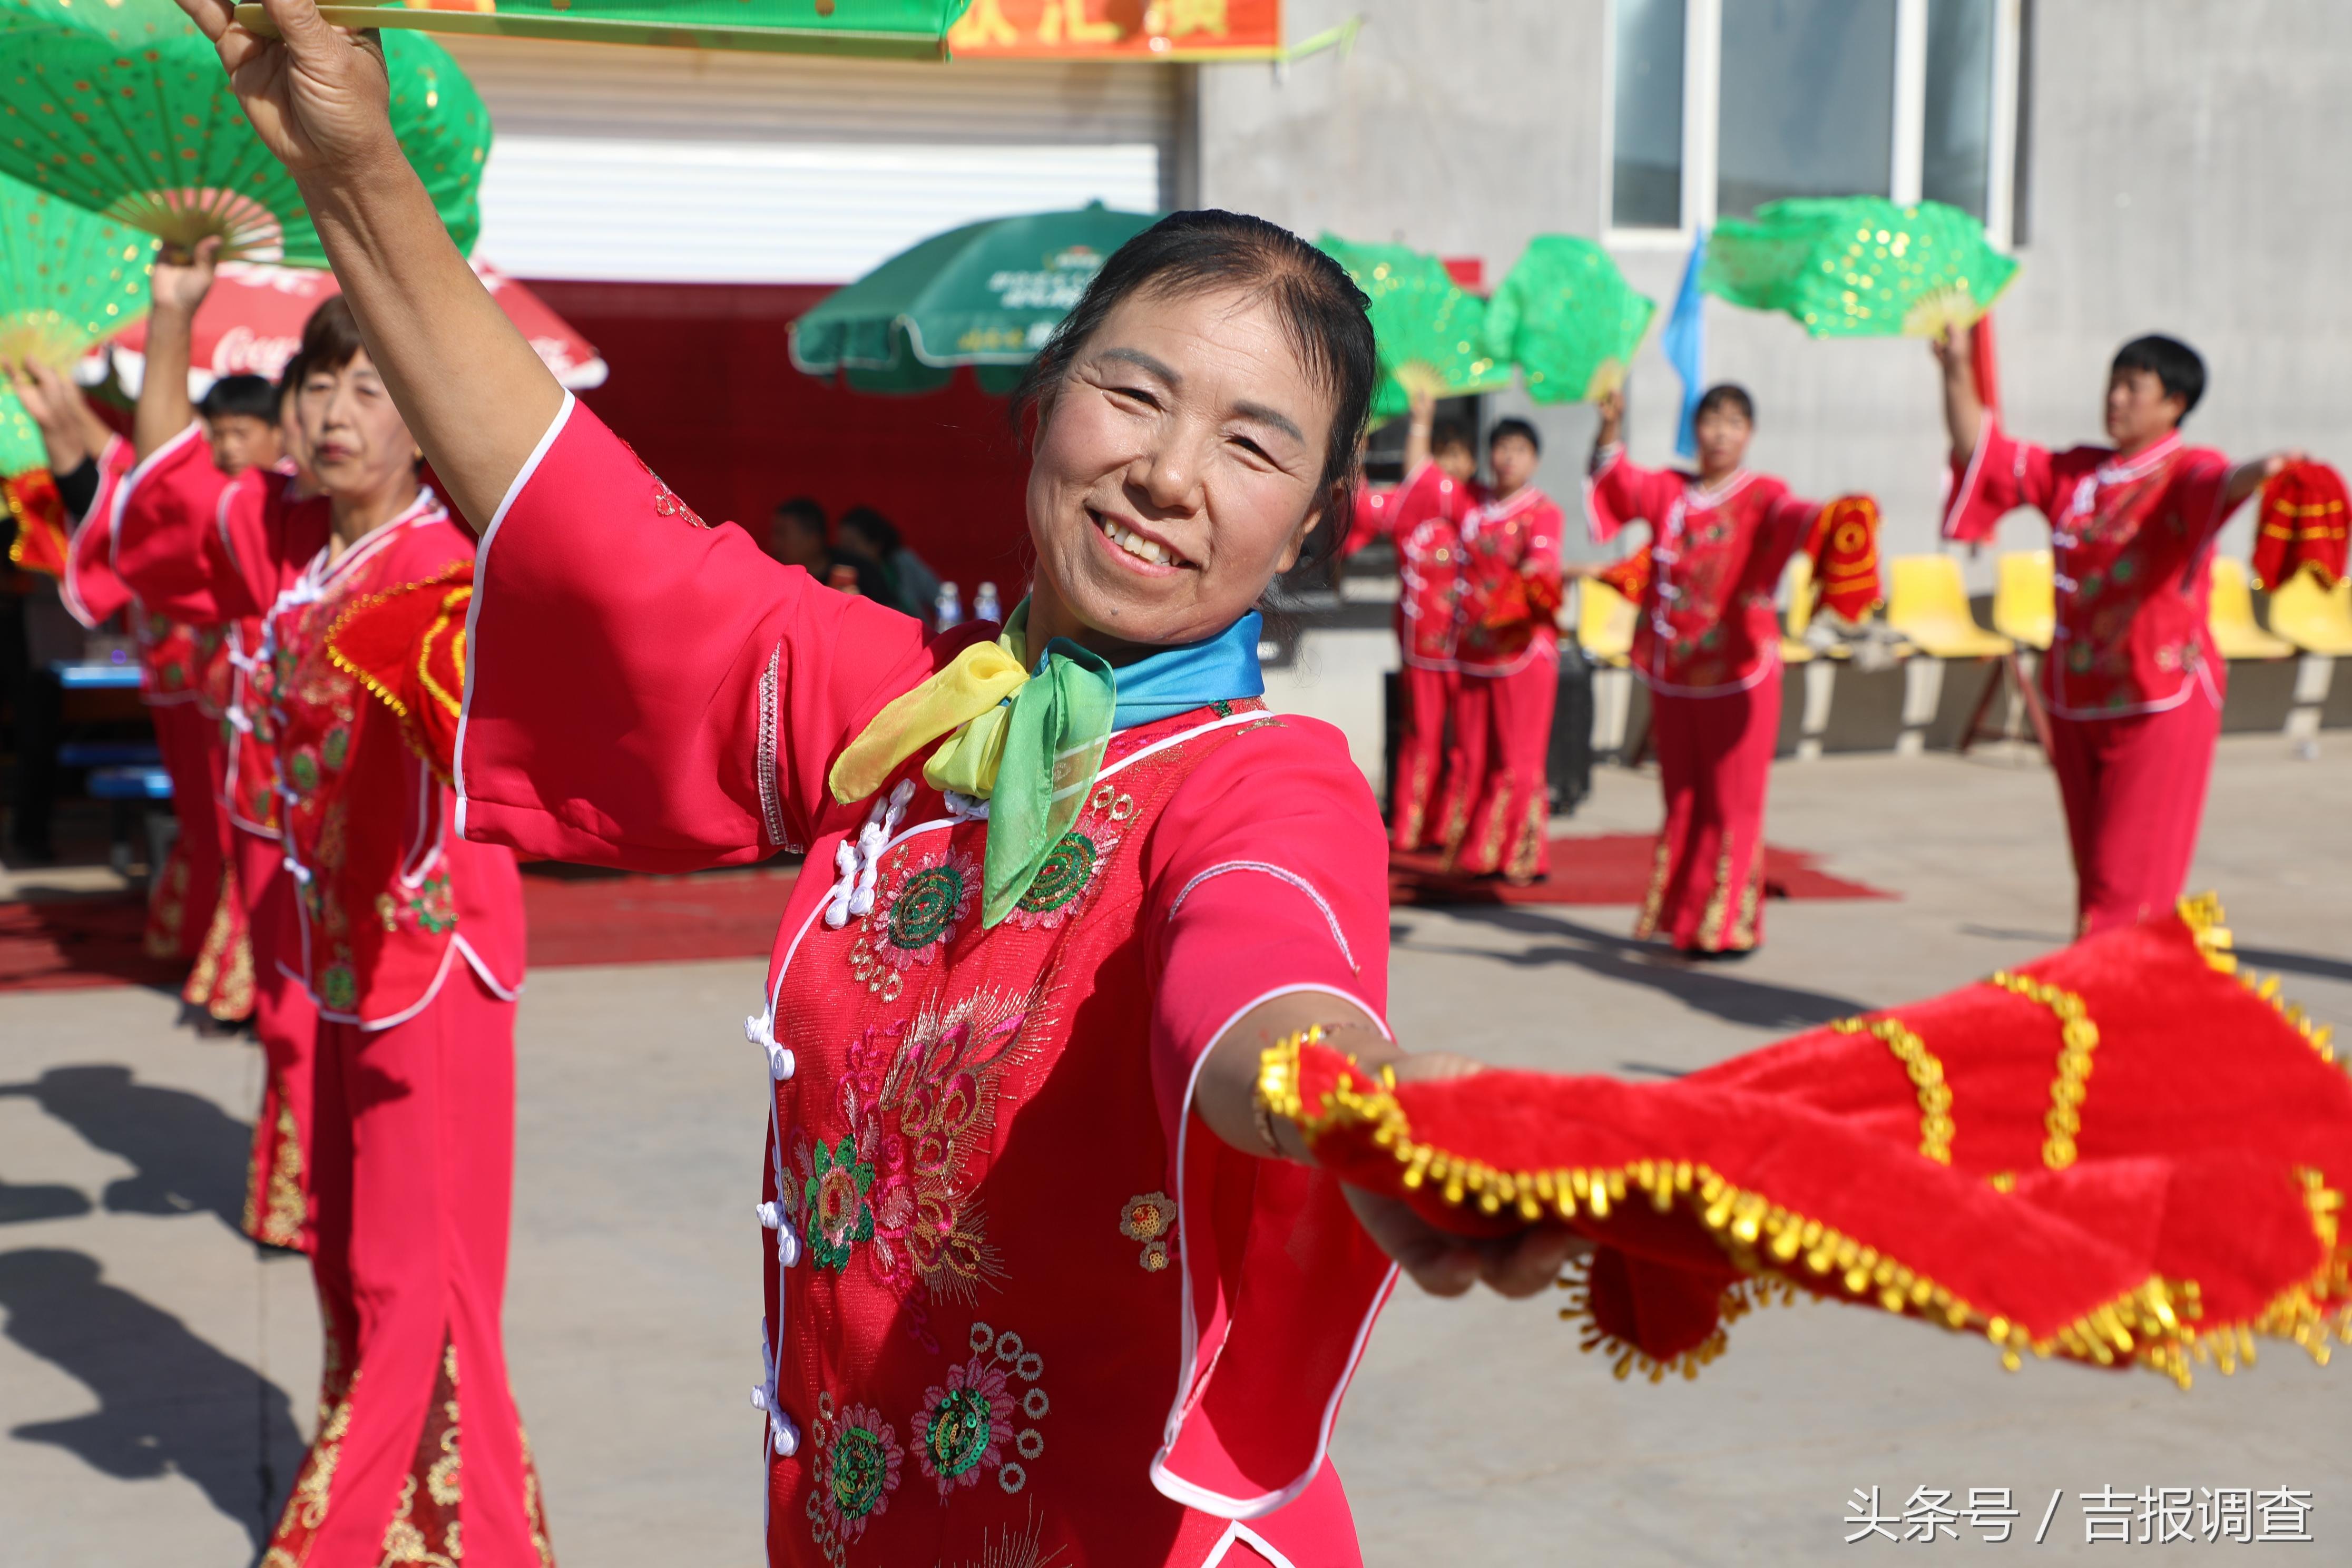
pixel 1443 1263
pixel 316 94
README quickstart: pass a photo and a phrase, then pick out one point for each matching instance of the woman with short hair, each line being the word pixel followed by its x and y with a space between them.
pixel 1045 1282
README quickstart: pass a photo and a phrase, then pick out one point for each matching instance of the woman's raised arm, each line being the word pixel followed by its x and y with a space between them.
pixel 473 392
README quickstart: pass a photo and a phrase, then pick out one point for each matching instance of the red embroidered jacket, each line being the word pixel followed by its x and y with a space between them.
pixel 1421 517
pixel 1511 584
pixel 2130 540
pixel 389 896
pixel 1709 624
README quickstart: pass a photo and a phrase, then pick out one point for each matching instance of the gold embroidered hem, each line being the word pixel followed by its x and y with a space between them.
pixel 275 1204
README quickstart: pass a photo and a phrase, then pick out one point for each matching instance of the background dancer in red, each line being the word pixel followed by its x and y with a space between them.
pixel 1708 646
pixel 1420 518
pixel 407 938
pixel 2132 680
pixel 1509 657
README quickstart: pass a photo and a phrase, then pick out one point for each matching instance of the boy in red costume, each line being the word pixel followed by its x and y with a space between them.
pixel 1420 516
pixel 1509 655
pixel 2133 680
pixel 1708 646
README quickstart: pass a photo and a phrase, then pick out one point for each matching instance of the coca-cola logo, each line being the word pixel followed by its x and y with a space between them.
pixel 241 351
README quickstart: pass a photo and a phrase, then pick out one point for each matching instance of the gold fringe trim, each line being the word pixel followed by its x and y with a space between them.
pixel 1927 1075
pixel 2149 1325
pixel 2202 914
pixel 2078 1036
pixel 1739 1297
pixel 376 688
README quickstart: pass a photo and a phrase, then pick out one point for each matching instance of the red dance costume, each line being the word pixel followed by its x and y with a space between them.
pixel 1420 517
pixel 1509 655
pixel 409 942
pixel 1022 1306
pixel 1707 645
pixel 2133 680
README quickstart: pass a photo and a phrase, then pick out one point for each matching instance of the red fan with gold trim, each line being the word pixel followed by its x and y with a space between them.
pixel 407 646
pixel 1843 545
pixel 42 536
pixel 2302 524
pixel 2119 1155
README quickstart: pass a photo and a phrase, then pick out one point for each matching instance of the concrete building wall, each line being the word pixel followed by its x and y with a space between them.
pixel 2186 173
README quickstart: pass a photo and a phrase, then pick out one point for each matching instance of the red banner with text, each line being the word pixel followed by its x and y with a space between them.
pixel 1118 29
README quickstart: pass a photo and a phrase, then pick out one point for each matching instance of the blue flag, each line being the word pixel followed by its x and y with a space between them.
pixel 1685 342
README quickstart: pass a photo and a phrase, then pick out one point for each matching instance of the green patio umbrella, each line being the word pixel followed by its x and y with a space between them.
pixel 886 29
pixel 67 278
pixel 1858 266
pixel 1568 318
pixel 121 107
pixel 987 295
pixel 1429 331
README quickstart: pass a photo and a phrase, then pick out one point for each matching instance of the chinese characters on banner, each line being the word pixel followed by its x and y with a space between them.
pixel 1118 29
pixel 2151 1516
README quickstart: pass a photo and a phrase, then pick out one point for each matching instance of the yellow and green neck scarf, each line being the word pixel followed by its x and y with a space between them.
pixel 1028 736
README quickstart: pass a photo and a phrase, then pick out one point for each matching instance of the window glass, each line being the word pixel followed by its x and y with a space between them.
pixel 1956 149
pixel 1647 183
pixel 1808 105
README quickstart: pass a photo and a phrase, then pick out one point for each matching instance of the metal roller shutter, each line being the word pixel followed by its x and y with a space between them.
pixel 665 165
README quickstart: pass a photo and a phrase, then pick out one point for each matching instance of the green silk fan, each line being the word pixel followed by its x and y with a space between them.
pixel 68 278
pixel 1858 266
pixel 1569 318
pixel 121 107
pixel 886 29
pixel 1430 331
pixel 21 448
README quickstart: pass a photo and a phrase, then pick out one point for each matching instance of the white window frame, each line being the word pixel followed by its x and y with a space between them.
pixel 1702 93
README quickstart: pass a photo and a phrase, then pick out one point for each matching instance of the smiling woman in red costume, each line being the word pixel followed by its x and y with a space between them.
pixel 406 938
pixel 1042 1281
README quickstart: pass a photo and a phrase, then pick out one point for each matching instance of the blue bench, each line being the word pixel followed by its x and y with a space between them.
pixel 108 754
pixel 78 676
pixel 136 781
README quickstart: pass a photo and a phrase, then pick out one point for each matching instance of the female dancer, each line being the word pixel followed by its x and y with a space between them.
pixel 1043 1283
pixel 406 938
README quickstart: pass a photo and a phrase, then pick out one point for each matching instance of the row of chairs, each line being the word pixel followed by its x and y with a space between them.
pixel 1927 606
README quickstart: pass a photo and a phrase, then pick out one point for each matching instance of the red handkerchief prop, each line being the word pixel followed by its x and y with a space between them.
pixel 2302 523
pixel 1843 545
pixel 407 646
pixel 41 533
pixel 1631 576
pixel 2119 1154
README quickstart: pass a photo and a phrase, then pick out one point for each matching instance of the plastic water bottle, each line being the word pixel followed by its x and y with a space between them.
pixel 948 607
pixel 985 605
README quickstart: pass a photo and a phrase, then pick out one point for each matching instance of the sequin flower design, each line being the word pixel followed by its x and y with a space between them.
pixel 1074 866
pixel 932 892
pixel 966 1426
pixel 1149 1218
pixel 858 1460
pixel 833 1195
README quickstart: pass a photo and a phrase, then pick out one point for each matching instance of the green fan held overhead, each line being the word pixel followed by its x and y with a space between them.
pixel 1569 319
pixel 1430 331
pixel 882 29
pixel 987 294
pixel 68 278
pixel 1859 267
pixel 121 107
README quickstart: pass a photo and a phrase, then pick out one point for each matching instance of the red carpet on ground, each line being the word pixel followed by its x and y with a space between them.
pixel 1604 869
pixel 582 916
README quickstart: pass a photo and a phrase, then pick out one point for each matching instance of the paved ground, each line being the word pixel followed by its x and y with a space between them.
pixel 155 1377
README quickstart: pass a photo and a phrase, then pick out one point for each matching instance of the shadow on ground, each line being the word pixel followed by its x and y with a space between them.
pixel 2309 963
pixel 167 1401
pixel 1709 990
pixel 189 1154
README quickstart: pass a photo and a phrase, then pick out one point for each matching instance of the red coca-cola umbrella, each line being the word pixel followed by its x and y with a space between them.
pixel 251 324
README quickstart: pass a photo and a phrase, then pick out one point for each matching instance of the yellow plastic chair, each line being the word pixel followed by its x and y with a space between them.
pixel 2315 619
pixel 2025 598
pixel 1605 622
pixel 1927 602
pixel 1794 649
pixel 2236 632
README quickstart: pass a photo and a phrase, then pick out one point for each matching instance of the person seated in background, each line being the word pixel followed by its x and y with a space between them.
pixel 799 535
pixel 240 415
pixel 865 532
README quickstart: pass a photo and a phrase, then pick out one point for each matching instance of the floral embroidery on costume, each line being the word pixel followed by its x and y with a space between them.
pixel 430 907
pixel 835 1193
pixel 932 892
pixel 964 1427
pixel 423 1530
pixel 1149 1218
pixel 1074 866
pixel 858 1462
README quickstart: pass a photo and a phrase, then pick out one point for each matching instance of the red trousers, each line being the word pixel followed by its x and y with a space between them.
pixel 1417 815
pixel 186 888
pixel 2135 791
pixel 1715 760
pixel 1505 721
pixel 412 1174
pixel 276 1193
